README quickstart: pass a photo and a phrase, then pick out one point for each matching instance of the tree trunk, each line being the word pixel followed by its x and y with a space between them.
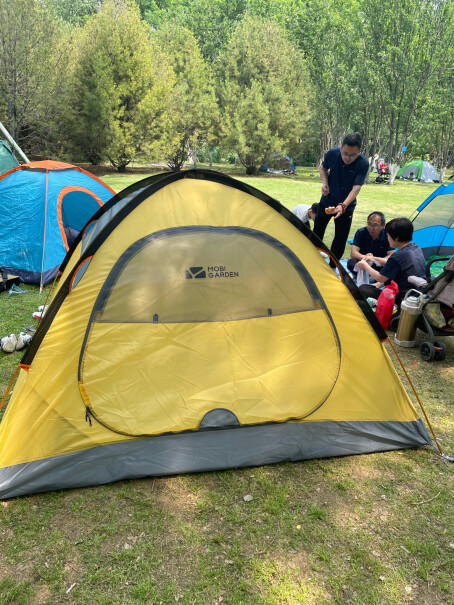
pixel 393 170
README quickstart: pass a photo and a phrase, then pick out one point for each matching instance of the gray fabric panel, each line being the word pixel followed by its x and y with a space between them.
pixel 209 450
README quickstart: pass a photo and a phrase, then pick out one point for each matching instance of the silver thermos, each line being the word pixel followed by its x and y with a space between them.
pixel 410 310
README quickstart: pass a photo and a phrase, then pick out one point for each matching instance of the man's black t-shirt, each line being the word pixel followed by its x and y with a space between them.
pixel 343 177
pixel 379 247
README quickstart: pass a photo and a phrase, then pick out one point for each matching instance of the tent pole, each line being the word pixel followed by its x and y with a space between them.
pixel 13 143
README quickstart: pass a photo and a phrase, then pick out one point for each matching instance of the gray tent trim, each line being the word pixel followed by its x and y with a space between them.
pixel 209 451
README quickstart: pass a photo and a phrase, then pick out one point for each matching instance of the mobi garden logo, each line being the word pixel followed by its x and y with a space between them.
pixel 214 272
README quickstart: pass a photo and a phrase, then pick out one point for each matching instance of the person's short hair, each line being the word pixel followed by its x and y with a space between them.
pixel 400 229
pixel 353 140
pixel 314 207
pixel 380 214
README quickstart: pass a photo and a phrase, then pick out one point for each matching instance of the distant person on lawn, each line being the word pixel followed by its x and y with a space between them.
pixel 370 243
pixel 343 172
pixel 407 260
pixel 305 212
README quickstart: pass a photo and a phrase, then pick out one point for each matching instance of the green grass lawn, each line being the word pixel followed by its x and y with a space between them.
pixel 363 530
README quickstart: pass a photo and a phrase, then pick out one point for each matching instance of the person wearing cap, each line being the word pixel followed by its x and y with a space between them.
pixel 343 172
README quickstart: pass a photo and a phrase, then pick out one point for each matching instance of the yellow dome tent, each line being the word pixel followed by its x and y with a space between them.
pixel 197 327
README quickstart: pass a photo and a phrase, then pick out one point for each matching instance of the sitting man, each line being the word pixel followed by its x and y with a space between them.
pixel 305 212
pixel 406 261
pixel 370 243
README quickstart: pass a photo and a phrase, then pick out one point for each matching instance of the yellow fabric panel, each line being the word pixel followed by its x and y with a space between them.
pixel 258 369
pixel 46 414
pixel 75 257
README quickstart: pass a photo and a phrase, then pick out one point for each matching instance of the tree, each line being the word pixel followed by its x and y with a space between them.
pixel 263 91
pixel 75 12
pixel 325 31
pixel 437 119
pixel 212 23
pixel 157 12
pixel 28 71
pixel 194 104
pixel 120 96
pixel 407 43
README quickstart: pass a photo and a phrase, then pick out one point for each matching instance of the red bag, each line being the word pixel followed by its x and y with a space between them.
pixel 385 304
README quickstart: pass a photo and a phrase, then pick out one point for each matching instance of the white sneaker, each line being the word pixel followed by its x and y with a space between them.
pixel 8 343
pixel 23 340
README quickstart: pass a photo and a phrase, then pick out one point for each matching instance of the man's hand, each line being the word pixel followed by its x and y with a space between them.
pixel 325 189
pixel 339 210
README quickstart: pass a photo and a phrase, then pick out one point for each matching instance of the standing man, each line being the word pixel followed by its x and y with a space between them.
pixel 343 172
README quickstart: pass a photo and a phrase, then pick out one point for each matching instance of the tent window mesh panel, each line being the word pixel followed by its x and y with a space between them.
pixel 197 274
pixel 437 212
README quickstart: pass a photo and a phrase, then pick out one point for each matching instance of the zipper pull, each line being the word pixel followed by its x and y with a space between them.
pixel 88 415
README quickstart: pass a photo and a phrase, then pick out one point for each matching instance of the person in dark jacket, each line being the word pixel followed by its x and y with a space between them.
pixel 343 172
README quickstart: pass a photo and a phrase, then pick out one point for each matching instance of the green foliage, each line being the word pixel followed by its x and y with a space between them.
pixel 121 85
pixel 263 91
pixel 194 109
pixel 406 43
pixel 212 23
pixel 28 69
pixel 75 12
pixel 157 12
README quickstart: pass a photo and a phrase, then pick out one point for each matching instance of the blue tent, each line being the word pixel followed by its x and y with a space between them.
pixel 433 222
pixel 43 205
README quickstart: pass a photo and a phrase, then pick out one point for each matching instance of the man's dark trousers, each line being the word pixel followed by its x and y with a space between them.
pixel 342 227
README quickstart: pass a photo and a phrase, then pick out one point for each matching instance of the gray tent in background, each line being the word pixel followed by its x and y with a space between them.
pixel 419 170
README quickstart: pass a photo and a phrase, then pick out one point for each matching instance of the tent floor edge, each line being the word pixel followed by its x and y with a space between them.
pixel 209 451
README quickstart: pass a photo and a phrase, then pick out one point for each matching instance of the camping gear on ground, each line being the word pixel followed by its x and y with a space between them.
pixel 437 313
pixel 11 343
pixel 420 170
pixel 385 304
pixel 277 163
pixel 433 223
pixel 39 314
pixel 42 206
pixel 7 281
pixel 196 327
pixel 439 290
pixel 16 290
pixel 7 159
pixel 410 310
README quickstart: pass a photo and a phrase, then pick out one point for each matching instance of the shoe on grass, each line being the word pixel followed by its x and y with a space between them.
pixel 23 340
pixel 8 343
